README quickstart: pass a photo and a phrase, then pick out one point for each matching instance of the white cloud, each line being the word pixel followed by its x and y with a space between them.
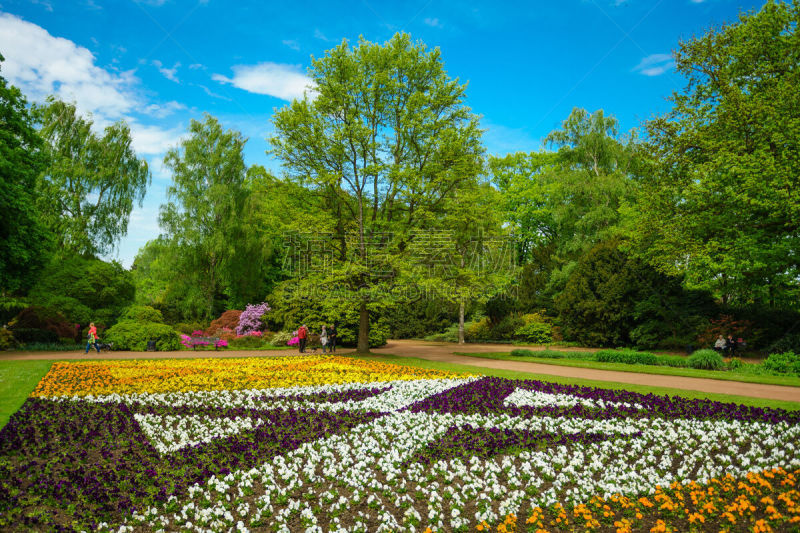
pixel 433 22
pixel 291 43
pixel 169 73
pixel 40 65
pixel 195 66
pixel 148 139
pixel 163 110
pixel 286 82
pixel 655 65
pixel 319 35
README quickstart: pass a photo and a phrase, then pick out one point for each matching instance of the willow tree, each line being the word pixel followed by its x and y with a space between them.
pixel 383 139
pixel 91 182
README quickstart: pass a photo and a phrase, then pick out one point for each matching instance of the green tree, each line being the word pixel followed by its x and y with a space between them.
pixel 562 203
pixel 24 240
pixel 613 299
pixel 91 182
pixel 202 220
pixel 84 289
pixel 384 143
pixel 723 205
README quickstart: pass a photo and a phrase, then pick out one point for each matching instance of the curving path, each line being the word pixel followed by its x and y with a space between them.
pixel 445 352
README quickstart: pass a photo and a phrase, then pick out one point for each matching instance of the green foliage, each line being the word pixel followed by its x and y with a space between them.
pixel 614 299
pixel 788 343
pixel 143 313
pixel 187 328
pixel 735 364
pixel 543 354
pixel 10 307
pixel 377 189
pixel 132 335
pixel 51 347
pixel 480 329
pixel 449 335
pixel 91 183
pixel 706 360
pixel 535 329
pixel 7 340
pixel 24 239
pixel 672 360
pixel 417 319
pixel 85 289
pixel 723 201
pixel 628 357
pixel 35 335
pixel 249 341
pixel 783 363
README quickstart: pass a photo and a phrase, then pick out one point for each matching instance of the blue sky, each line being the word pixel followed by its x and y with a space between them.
pixel 160 63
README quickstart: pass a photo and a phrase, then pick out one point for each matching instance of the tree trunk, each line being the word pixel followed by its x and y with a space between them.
pixel 363 329
pixel 461 322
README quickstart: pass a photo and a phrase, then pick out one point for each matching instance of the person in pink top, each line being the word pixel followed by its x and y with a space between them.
pixel 92 339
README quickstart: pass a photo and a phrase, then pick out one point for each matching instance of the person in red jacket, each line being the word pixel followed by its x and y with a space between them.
pixel 92 339
pixel 302 334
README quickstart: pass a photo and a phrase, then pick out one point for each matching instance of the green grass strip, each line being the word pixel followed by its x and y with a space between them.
pixel 643 389
pixel 724 375
pixel 17 381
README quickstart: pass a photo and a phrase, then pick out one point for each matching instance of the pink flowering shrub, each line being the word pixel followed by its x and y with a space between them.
pixel 197 333
pixel 250 319
pixel 222 343
pixel 294 341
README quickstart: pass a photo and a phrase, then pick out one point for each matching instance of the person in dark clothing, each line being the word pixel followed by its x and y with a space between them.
pixel 332 338
pixel 730 346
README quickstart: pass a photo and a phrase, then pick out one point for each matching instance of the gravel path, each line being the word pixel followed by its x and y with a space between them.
pixel 444 352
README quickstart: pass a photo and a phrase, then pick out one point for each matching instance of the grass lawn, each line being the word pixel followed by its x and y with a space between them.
pixel 789 381
pixel 17 381
pixel 642 389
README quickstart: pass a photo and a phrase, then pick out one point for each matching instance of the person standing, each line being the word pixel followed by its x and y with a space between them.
pixel 332 338
pixel 92 339
pixel 302 335
pixel 323 338
pixel 730 345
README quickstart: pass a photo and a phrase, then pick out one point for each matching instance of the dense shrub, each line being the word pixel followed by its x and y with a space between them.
pixel 478 329
pixel 419 318
pixel 543 354
pixel 448 335
pixel 88 288
pixel 505 329
pixel 535 332
pixel 37 317
pixel 783 363
pixel 735 364
pixel 247 341
pixel 6 339
pixel 143 313
pixel 227 320
pixel 706 360
pixel 132 335
pixel 630 357
pixel 34 335
pixel 188 328
pixel 787 343
pixel 281 338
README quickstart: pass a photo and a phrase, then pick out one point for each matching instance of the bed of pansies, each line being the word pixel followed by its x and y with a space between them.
pixel 326 443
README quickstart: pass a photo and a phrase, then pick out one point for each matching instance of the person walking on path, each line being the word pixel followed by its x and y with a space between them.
pixel 92 339
pixel 332 338
pixel 323 339
pixel 302 335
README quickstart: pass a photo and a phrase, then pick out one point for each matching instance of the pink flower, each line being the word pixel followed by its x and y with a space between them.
pixel 294 341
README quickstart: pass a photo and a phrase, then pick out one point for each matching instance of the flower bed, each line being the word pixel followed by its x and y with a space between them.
pixel 322 443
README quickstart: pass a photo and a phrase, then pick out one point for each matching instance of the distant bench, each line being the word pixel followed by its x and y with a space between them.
pixel 204 341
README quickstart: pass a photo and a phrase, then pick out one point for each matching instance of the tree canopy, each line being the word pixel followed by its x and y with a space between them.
pixel 91 182
pixel 723 202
